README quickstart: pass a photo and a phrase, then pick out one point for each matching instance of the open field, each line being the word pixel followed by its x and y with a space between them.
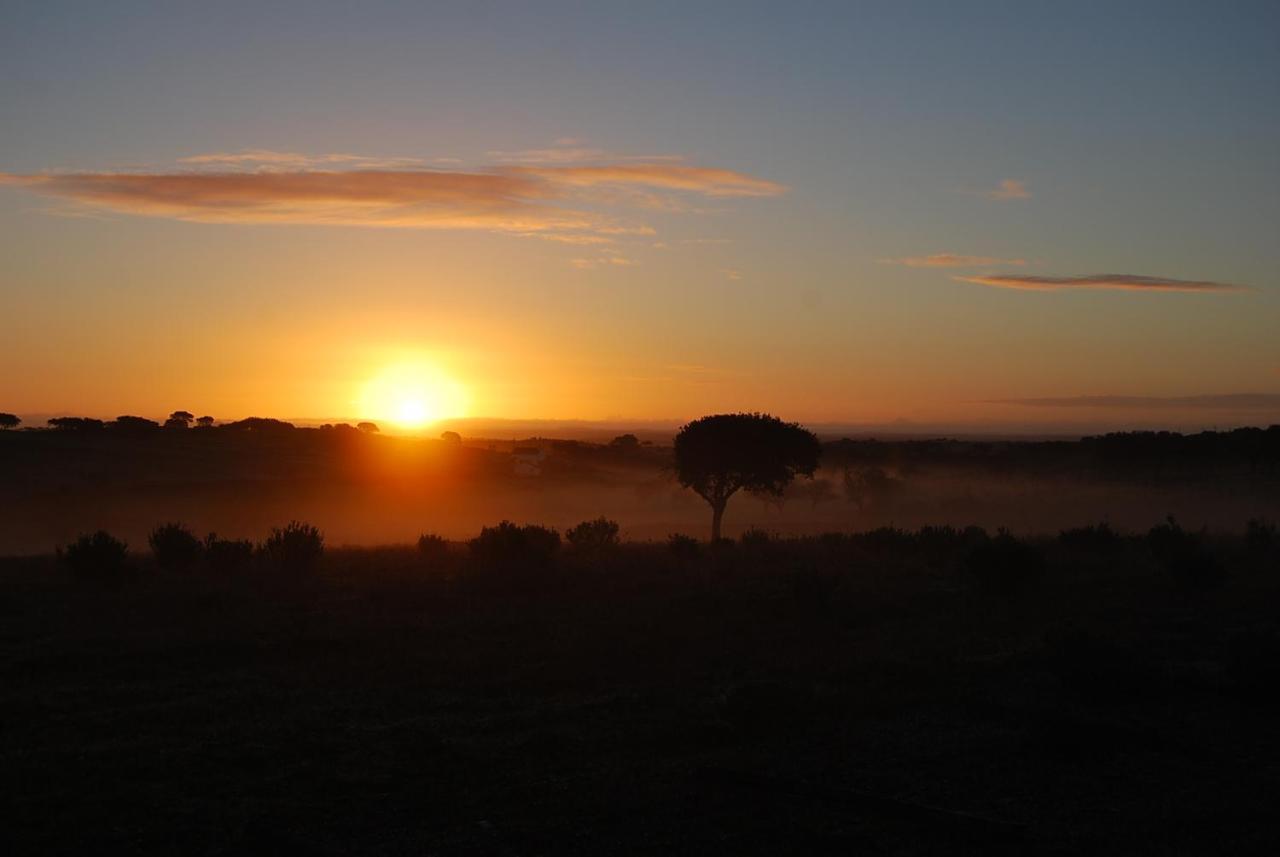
pixel 888 692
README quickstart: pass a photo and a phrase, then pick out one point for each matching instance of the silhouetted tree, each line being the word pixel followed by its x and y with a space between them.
pixel 451 437
pixel 128 423
pixel 719 455
pixel 204 422
pixel 367 428
pixel 625 443
pixel 179 420
pixel 77 423
pixel 9 421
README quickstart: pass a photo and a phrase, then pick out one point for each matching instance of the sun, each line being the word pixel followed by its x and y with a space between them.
pixel 411 395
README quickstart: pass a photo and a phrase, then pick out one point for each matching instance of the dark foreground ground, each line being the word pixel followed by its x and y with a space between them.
pixel 874 694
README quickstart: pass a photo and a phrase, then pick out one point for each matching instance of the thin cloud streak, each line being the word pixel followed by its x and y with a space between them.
pixel 1114 282
pixel 951 260
pixel 518 200
pixel 1227 401
pixel 1009 189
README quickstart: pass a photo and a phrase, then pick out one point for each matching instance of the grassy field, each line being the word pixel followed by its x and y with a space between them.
pixel 886 692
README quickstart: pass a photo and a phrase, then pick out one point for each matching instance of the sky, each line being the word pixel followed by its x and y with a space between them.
pixel 1040 216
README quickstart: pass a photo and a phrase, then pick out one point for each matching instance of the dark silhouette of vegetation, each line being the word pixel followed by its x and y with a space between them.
pixel 1004 566
pixel 175 547
pixel 295 548
pixel 77 423
pixel 1184 555
pixel 594 536
pixel 227 555
pixel 9 421
pixel 625 443
pixel 204 422
pixel 1095 537
pixel 432 548
pixel 367 428
pixel 1260 537
pixel 683 546
pixel 98 555
pixel 134 424
pixel 451 437
pixel 509 549
pixel 179 420
pixel 719 455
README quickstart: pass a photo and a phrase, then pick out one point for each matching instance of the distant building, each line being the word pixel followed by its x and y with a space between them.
pixel 527 460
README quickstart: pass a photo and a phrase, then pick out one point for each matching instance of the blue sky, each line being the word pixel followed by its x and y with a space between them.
pixel 1135 139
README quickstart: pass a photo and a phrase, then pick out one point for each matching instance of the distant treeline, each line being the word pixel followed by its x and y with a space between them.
pixel 1142 455
pixel 1245 450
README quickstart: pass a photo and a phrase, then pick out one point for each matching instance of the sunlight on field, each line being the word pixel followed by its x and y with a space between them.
pixel 412 394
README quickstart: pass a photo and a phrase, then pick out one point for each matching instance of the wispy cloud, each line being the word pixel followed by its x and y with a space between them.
pixel 585 264
pixel 950 260
pixel 1227 401
pixel 1118 282
pixel 1009 189
pixel 268 159
pixel 560 203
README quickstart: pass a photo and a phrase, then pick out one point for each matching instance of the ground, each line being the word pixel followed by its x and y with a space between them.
pixel 872 693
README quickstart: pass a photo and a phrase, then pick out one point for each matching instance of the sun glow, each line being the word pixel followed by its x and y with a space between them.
pixel 411 395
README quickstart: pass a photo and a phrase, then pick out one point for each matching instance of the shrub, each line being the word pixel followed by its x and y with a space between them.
pixel 594 536
pixel 296 547
pixel 98 555
pixel 175 547
pixel 434 549
pixel 1183 555
pixel 755 537
pixel 227 554
pixel 1096 537
pixel 685 547
pixel 1004 566
pixel 1259 536
pixel 508 547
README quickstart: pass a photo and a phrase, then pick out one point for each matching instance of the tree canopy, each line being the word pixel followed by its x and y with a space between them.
pixel 719 455
pixel 8 421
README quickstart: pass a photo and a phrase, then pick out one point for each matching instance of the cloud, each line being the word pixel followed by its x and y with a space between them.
pixel 1119 282
pixel 1009 189
pixel 1227 401
pixel 267 159
pixel 600 261
pixel 951 260
pixel 548 202
pixel 708 181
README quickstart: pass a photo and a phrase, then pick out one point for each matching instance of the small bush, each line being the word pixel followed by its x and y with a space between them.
pixel 508 547
pixel 175 547
pixel 432 548
pixel 295 548
pixel 1260 536
pixel 1004 566
pixel 1183 555
pixel 685 547
pixel 227 554
pixel 755 538
pixel 1096 537
pixel 98 555
pixel 594 536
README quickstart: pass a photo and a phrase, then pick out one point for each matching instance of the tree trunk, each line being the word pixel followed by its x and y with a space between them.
pixel 717 514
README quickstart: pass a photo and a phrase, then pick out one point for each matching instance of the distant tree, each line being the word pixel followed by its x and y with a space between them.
pixel 296 547
pixel 594 536
pixel 258 424
pixel 77 423
pixel 367 428
pixel 719 455
pixel 204 422
pixel 9 421
pixel 175 547
pixel 128 423
pixel 179 420
pixel 625 443
pixel 451 437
